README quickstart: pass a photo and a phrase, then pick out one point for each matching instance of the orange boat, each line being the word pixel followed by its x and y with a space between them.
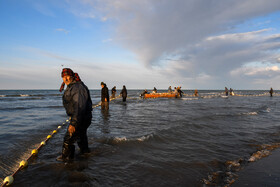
pixel 156 95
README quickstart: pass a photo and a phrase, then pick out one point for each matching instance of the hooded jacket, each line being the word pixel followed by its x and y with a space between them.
pixel 77 103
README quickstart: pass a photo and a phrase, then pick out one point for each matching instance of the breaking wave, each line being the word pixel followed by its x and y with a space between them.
pixel 24 95
pixel 249 113
pixel 118 140
pixel 189 98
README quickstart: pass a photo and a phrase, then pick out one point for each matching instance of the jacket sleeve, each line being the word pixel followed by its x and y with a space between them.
pixel 107 94
pixel 103 94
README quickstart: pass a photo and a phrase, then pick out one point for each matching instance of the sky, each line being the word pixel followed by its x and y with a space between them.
pixel 195 44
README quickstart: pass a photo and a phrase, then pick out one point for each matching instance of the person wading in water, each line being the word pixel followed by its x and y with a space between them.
pixel 124 93
pixel 271 92
pixel 113 91
pixel 104 97
pixel 78 106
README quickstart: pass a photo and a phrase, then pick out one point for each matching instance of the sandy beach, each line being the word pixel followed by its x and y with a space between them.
pixel 264 172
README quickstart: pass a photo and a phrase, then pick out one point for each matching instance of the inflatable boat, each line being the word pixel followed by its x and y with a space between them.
pixel 156 95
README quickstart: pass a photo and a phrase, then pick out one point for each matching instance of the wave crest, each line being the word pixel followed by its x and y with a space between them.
pixel 118 140
pixel 249 113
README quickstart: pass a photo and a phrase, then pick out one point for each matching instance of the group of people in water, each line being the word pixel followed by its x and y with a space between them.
pixel 178 92
pixel 230 91
pixel 105 98
pixel 78 105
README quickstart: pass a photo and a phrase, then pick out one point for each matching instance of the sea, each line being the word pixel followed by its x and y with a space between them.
pixel 188 141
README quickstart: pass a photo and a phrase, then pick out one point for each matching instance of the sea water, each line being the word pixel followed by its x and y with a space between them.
pixel 140 142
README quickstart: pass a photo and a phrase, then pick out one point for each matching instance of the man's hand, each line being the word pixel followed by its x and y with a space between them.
pixel 71 129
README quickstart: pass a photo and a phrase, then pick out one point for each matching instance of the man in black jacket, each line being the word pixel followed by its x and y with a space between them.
pixel 104 96
pixel 78 106
pixel 124 93
pixel 271 92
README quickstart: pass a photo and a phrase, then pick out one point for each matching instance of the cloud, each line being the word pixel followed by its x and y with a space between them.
pixel 190 31
pixel 107 40
pixel 252 77
pixel 62 30
pixel 43 8
pixel 256 71
pixel 82 8
pixel 48 77
pixel 30 77
pixel 48 54
pixel 154 29
pixel 220 54
pixel 192 40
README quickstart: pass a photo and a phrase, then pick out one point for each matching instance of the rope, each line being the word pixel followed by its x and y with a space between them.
pixel 239 95
pixel 257 95
pixel 209 96
pixel 222 93
pixel 111 99
pixel 9 179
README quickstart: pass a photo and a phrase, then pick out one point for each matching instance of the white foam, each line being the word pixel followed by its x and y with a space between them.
pixel 24 95
pixel 250 113
pixel 267 110
pixel 120 139
pixel 143 138
pixel 124 139
pixel 189 98
pixel 212 93
pixel 210 96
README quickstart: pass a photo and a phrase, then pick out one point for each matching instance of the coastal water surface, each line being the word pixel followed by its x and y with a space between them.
pixel 142 142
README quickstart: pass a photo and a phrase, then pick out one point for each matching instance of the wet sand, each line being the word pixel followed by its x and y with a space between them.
pixel 264 172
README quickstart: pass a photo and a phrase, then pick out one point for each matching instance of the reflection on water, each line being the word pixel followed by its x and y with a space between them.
pixel 105 120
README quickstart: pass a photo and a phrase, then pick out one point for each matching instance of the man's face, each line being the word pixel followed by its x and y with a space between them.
pixel 67 79
pixel 102 85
